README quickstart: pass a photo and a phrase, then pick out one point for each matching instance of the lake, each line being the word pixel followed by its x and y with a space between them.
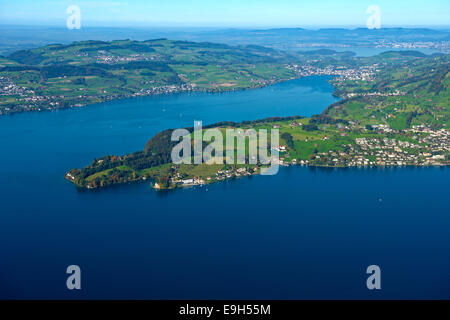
pixel 303 233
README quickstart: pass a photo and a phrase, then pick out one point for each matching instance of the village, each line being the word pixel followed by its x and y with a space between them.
pixel 442 46
pixel 29 100
pixel 365 73
pixel 107 58
pixel 182 180
pixel 164 90
pixel 431 149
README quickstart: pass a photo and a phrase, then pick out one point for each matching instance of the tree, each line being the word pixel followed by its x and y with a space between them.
pixel 288 138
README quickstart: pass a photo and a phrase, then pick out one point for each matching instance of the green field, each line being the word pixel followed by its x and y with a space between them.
pixel 87 72
pixel 398 117
pixel 58 76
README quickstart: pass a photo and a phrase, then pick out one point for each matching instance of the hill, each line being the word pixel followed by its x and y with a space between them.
pixel 86 72
pixel 395 113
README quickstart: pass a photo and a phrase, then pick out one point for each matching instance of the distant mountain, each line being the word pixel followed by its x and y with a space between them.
pixel 404 53
pixel 14 38
pixel 353 37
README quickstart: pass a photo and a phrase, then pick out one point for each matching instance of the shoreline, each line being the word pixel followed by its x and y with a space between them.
pixel 209 182
pixel 175 92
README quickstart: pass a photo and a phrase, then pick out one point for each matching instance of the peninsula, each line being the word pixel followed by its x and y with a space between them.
pixel 393 112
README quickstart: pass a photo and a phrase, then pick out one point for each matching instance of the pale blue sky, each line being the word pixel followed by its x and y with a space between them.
pixel 227 13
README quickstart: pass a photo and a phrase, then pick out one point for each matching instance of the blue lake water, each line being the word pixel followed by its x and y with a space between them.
pixel 304 233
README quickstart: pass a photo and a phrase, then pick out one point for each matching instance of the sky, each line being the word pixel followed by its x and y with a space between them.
pixel 227 13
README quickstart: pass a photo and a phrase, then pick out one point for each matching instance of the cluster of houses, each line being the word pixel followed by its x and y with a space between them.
pixel 437 142
pixel 432 148
pixel 382 128
pixel 231 173
pixel 163 90
pixel 365 73
pixel 373 94
pixel 256 83
pixel 422 146
pixel 8 87
pixel 104 57
pixel 443 46
pixel 189 181
pixel 182 181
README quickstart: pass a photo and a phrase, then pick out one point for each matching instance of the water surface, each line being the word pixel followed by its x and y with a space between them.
pixel 304 233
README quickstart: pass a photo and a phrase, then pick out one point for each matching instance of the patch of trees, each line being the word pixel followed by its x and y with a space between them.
pixel 26 57
pixel 148 74
pixel 322 52
pixel 141 48
pixel 70 71
pixel 189 44
pixel 310 127
pixel 61 71
pixel 273 119
pixel 286 136
pixel 195 63
pixel 20 68
pixel 135 65
pixel 98 165
pixel 80 81
pixel 155 40
pixel 407 53
pixel 410 118
pixel 164 181
pixel 261 48
pixel 80 43
pixel 161 143
pixel 142 160
pixel 113 176
pixel 252 56
pixel 338 104
pixel 438 80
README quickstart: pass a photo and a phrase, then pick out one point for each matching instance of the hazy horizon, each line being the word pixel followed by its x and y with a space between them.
pixel 252 14
pixel 216 28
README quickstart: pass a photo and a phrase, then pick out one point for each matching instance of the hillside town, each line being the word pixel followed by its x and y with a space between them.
pixel 30 101
pixel 419 146
pixel 8 87
pixel 108 58
pixel 365 73
pixel 164 90
pixel 442 46
pixel 431 148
